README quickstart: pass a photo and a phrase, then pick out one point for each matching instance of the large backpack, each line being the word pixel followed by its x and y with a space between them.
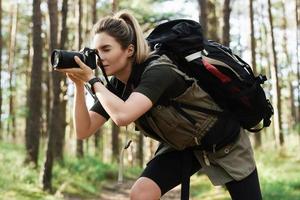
pixel 223 75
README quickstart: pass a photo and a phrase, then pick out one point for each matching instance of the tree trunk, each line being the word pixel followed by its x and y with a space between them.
pixel 288 63
pixel 276 86
pixel 114 6
pixel 203 15
pixel 34 101
pixel 60 84
pixel 1 70
pixel 79 148
pixel 212 21
pixel 257 136
pixel 115 142
pixel 98 135
pixel 140 152
pixel 55 116
pixel 94 11
pixel 226 25
pixel 11 126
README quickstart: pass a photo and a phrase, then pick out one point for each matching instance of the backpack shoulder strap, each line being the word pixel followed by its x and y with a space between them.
pixel 166 61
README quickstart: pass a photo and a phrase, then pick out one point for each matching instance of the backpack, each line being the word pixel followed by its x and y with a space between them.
pixel 227 78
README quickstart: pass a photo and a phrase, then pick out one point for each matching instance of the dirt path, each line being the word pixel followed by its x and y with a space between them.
pixel 115 191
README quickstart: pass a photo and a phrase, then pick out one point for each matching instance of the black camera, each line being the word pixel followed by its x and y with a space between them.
pixel 61 59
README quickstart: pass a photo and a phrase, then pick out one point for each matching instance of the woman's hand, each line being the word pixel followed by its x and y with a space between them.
pixel 74 79
pixel 79 75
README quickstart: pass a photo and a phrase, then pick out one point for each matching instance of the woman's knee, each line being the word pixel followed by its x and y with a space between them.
pixel 145 189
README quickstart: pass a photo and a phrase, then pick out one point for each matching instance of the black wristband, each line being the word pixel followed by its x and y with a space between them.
pixel 92 82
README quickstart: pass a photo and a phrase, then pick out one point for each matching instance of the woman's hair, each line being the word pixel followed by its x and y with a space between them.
pixel 124 27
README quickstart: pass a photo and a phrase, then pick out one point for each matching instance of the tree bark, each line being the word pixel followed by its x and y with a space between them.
pixel 94 11
pixel 60 84
pixel 98 135
pixel 56 115
pixel 34 101
pixel 203 15
pixel 115 142
pixel 212 21
pixel 140 152
pixel 276 87
pixel 226 25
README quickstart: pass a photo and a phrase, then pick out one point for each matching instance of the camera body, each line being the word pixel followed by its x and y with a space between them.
pixel 62 59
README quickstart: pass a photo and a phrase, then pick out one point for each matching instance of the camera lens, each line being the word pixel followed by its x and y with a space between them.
pixel 61 59
pixel 55 58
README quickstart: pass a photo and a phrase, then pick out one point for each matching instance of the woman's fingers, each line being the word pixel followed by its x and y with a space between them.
pixel 80 63
pixel 70 70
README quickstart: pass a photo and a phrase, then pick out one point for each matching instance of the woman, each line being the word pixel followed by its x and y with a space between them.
pixel 141 87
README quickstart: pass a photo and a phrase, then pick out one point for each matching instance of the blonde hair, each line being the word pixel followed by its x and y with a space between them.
pixel 124 27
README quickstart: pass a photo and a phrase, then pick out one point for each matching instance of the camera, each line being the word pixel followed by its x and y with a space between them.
pixel 61 59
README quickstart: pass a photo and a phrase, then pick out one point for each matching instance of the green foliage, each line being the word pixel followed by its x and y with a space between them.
pixel 279 174
pixel 74 177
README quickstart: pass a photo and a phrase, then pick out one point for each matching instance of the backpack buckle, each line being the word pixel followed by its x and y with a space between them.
pixel 262 78
pixel 157 46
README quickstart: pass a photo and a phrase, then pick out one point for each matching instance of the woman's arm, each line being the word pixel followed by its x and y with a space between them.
pixel 122 112
pixel 86 122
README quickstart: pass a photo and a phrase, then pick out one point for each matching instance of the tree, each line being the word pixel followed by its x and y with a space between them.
pixel 291 119
pixel 212 21
pixel 34 100
pixel 11 128
pixel 203 15
pixel 226 25
pixel 140 151
pixel 276 87
pixel 61 87
pixel 208 19
pixel 56 120
pixel 257 136
pixel 98 135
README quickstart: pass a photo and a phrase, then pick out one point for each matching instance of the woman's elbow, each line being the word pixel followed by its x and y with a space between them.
pixel 82 135
pixel 122 121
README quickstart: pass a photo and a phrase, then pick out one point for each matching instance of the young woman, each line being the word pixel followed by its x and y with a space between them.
pixel 139 93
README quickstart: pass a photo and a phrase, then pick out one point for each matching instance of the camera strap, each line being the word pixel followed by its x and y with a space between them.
pixel 102 69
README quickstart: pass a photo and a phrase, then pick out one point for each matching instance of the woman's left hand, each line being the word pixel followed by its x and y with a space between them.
pixel 84 73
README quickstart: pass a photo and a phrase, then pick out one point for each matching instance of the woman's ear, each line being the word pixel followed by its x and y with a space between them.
pixel 130 50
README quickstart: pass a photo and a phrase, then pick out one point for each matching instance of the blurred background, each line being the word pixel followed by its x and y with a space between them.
pixel 39 154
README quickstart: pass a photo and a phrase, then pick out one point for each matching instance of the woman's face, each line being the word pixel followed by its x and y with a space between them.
pixel 116 60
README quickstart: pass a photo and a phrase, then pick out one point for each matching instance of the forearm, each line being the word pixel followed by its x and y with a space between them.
pixel 81 115
pixel 113 105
